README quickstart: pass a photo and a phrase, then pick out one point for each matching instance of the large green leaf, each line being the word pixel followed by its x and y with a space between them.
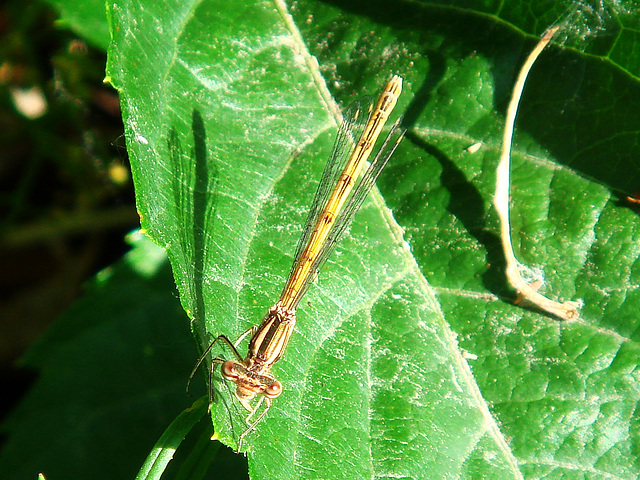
pixel 228 126
pixel 565 394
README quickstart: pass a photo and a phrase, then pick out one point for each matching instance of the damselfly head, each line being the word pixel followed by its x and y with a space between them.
pixel 248 383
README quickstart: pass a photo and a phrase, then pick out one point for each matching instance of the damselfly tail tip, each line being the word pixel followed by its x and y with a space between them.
pixel 394 87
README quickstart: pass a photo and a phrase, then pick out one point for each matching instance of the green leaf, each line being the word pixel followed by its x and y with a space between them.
pixel 111 377
pixel 87 18
pixel 171 439
pixel 224 176
pixel 564 394
pixel 228 122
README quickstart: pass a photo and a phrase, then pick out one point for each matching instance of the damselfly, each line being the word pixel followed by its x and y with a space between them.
pixel 342 190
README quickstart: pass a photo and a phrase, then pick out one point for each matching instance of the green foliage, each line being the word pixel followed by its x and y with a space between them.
pixel 87 19
pixel 405 362
pixel 112 373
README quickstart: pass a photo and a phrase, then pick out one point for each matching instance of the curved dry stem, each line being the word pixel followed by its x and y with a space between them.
pixel 526 292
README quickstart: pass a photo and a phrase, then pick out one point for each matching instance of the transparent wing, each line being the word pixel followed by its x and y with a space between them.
pixel 366 182
pixel 354 120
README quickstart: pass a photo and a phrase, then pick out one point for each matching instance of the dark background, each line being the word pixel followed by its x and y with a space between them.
pixel 66 195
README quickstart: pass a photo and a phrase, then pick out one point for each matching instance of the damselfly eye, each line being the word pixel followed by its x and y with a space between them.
pixel 273 390
pixel 229 370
